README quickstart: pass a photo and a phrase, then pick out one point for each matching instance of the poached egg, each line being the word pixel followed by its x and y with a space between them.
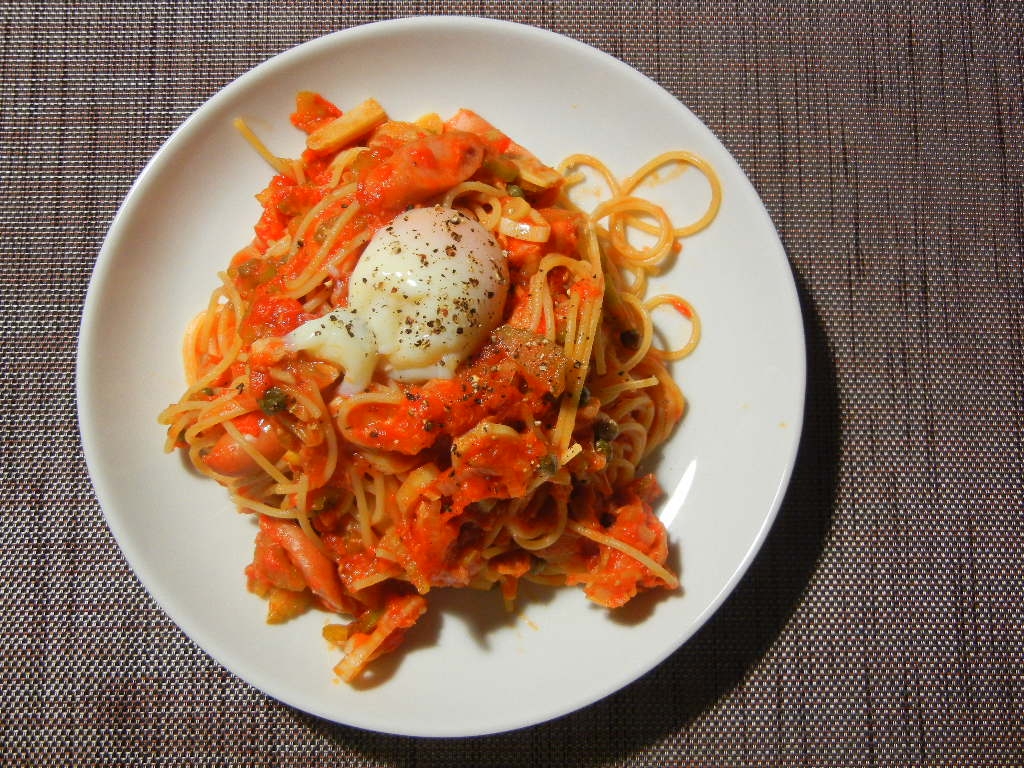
pixel 426 293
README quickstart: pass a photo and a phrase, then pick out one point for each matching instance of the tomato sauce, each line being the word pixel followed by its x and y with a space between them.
pixel 488 388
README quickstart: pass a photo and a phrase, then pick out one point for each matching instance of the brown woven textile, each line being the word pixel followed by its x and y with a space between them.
pixel 881 625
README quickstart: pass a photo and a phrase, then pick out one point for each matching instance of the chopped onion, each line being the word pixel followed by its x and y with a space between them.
pixel 524 230
pixel 526 225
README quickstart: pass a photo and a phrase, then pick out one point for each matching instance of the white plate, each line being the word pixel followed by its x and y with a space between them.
pixel 467 669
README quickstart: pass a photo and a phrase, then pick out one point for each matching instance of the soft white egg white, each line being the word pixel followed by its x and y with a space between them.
pixel 426 293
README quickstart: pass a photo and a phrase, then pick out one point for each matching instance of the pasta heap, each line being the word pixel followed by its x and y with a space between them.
pixel 519 464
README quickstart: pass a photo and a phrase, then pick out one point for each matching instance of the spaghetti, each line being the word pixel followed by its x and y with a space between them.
pixel 515 456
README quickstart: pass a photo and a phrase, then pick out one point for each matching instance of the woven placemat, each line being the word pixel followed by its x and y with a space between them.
pixel 882 624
